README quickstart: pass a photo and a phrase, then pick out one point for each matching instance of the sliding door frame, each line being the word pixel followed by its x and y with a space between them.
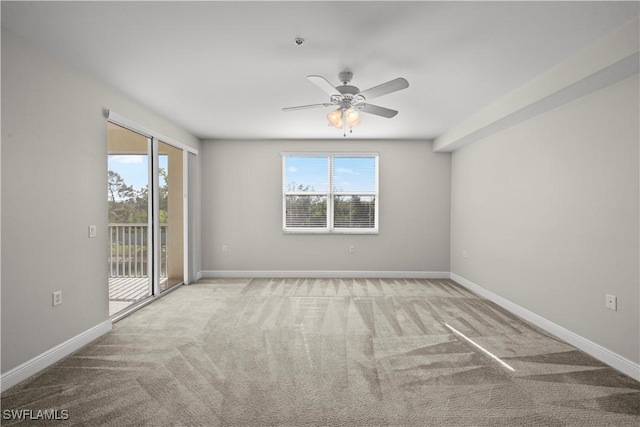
pixel 187 194
pixel 190 186
pixel 155 201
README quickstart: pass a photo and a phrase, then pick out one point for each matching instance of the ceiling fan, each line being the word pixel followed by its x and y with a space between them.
pixel 350 100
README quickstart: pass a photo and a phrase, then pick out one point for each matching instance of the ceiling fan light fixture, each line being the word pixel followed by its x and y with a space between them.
pixel 352 116
pixel 335 118
pixel 338 117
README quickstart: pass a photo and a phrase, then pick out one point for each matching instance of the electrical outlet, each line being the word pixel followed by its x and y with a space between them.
pixel 224 248
pixel 352 249
pixel 611 302
pixel 56 298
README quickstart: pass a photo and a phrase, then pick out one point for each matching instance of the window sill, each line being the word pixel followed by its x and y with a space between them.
pixel 329 232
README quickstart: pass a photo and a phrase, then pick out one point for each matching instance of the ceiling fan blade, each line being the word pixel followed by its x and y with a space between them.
pixel 378 111
pixel 304 107
pixel 324 85
pixel 385 88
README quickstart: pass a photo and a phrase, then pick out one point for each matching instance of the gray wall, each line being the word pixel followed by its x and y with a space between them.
pixel 54 170
pixel 242 209
pixel 548 212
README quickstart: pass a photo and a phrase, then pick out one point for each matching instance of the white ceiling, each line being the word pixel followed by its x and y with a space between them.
pixel 225 69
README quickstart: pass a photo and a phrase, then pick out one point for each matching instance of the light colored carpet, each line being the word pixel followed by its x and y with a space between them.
pixel 328 352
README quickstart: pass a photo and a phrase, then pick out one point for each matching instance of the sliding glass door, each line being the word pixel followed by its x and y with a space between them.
pixel 146 194
pixel 130 218
pixel 171 215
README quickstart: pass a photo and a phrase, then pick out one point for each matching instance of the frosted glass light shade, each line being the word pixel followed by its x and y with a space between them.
pixel 352 117
pixel 335 118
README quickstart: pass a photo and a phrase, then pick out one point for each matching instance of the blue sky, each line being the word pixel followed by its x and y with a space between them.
pixel 133 168
pixel 350 173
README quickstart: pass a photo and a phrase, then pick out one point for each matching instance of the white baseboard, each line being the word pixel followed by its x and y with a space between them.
pixel 348 274
pixel 49 357
pixel 612 359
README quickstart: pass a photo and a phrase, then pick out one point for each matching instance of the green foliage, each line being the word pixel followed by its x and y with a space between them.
pixel 130 206
pixel 354 211
pixel 310 211
pixel 306 211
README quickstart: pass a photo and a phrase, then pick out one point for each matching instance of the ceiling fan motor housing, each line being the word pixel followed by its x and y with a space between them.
pixel 349 95
pixel 348 90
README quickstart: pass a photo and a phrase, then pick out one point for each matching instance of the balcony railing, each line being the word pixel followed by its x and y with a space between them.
pixel 129 256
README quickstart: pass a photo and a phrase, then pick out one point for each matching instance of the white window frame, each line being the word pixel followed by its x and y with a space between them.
pixel 330 228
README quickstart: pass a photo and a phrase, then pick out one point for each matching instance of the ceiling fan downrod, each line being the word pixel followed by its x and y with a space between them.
pixel 345 77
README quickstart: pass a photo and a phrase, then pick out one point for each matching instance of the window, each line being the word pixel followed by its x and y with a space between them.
pixel 330 193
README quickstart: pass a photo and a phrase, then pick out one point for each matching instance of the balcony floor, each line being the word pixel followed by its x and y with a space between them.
pixel 124 291
pixel 128 288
